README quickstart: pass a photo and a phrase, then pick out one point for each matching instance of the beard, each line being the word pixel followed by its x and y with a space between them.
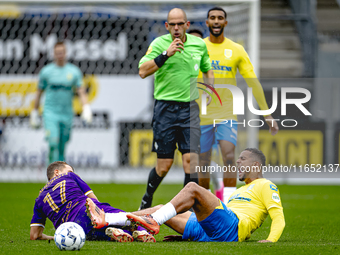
pixel 214 34
pixel 243 177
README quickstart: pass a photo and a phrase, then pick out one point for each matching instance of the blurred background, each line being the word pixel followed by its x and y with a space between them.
pixel 291 44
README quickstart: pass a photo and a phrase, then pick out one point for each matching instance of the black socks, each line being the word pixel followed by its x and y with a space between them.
pixel 190 178
pixel 153 183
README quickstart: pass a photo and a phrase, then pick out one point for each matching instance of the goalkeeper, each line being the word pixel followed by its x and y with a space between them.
pixel 58 80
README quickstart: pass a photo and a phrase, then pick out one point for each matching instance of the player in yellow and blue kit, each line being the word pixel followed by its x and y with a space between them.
pixel 216 180
pixel 215 221
pixel 226 58
pixel 59 80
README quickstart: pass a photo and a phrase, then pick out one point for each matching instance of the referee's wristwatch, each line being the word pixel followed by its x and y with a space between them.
pixel 160 60
pixel 165 53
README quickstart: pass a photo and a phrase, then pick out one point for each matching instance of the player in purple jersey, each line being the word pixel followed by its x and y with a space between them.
pixel 63 200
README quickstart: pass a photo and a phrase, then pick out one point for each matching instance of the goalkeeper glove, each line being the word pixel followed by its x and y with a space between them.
pixel 34 118
pixel 86 115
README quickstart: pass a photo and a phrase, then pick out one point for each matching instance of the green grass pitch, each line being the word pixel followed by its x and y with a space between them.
pixel 312 216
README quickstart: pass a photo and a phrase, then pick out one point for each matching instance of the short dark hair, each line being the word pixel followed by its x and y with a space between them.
pixel 195 30
pixel 53 166
pixel 217 9
pixel 60 43
pixel 258 155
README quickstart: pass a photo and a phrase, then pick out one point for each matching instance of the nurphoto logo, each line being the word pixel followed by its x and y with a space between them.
pixel 238 104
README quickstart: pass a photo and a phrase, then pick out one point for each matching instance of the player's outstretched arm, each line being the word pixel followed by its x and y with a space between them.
pixel 278 224
pixel 261 100
pixel 36 233
pixel 247 71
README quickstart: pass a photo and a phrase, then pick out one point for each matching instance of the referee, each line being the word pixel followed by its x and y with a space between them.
pixel 176 59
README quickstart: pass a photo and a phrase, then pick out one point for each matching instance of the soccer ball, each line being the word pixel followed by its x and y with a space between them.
pixel 69 236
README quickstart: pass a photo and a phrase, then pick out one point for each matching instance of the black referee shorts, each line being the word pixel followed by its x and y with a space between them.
pixel 175 123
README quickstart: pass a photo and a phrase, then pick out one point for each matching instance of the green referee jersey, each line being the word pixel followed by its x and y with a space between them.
pixel 175 80
pixel 59 84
